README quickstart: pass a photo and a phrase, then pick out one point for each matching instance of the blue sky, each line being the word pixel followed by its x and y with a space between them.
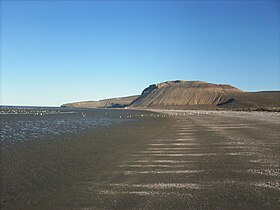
pixel 54 52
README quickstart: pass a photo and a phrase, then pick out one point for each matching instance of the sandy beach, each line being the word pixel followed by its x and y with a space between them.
pixel 166 160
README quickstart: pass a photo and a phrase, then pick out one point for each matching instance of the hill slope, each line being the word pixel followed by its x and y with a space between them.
pixel 181 93
pixel 246 100
pixel 106 103
pixel 202 95
pixel 190 95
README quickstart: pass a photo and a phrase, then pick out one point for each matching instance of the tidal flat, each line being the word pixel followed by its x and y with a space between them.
pixel 144 160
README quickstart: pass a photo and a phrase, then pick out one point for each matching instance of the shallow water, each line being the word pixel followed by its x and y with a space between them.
pixel 33 123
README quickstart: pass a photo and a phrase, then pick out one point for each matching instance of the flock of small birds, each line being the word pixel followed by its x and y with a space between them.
pixel 33 111
pixel 168 114
pixel 46 112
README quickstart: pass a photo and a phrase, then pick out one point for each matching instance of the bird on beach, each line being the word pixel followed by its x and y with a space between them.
pixel 83 114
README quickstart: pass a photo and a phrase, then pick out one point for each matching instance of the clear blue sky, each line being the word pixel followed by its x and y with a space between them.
pixel 54 52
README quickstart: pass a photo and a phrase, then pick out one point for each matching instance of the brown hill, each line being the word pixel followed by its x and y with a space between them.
pixel 181 93
pixel 106 103
pixel 202 95
pixel 191 95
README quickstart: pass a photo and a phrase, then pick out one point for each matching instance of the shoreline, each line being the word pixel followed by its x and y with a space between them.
pixel 32 171
pixel 167 159
pixel 252 115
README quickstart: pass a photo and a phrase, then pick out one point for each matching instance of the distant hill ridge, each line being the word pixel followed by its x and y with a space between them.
pixel 105 103
pixel 181 94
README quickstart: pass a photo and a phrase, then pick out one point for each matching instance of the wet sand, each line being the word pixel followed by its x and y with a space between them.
pixel 179 160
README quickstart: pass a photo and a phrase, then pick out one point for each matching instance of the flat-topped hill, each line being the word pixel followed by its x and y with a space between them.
pixel 181 93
